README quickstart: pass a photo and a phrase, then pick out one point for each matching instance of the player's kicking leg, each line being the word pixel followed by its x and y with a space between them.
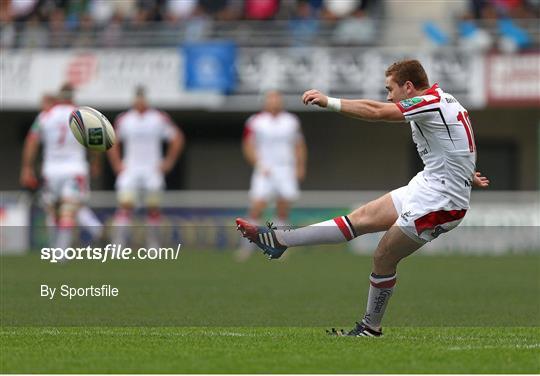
pixel 377 215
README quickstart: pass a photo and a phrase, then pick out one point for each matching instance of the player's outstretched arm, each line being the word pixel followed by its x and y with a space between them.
pixel 115 158
pixel 30 149
pixel 176 145
pixel 249 151
pixel 301 159
pixel 359 108
pixel 94 158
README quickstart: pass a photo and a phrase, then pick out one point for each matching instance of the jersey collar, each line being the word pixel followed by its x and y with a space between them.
pixel 432 90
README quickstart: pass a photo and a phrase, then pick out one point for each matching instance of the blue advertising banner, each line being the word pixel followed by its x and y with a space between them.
pixel 210 66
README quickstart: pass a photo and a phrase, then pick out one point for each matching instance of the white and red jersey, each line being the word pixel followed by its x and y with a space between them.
pixel 142 134
pixel 444 139
pixel 62 154
pixel 275 137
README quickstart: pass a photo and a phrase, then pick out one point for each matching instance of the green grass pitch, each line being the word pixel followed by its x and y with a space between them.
pixel 204 313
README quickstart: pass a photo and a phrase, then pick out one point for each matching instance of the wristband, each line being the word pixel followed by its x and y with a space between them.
pixel 334 104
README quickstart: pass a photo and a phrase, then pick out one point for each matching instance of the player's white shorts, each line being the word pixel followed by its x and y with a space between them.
pixel 63 187
pixel 130 182
pixel 424 213
pixel 280 183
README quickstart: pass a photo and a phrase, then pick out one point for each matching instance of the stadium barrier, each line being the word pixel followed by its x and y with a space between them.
pixel 234 78
pixel 497 222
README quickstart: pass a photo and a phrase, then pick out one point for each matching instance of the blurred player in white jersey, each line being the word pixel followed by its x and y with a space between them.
pixel 274 145
pixel 141 131
pixel 435 200
pixel 64 169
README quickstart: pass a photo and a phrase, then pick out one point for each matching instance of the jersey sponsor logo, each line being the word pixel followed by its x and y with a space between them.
pixel 423 152
pixel 410 102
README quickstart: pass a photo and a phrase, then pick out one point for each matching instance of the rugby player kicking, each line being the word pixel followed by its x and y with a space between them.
pixel 435 200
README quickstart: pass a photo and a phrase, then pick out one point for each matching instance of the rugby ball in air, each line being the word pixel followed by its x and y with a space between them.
pixel 92 129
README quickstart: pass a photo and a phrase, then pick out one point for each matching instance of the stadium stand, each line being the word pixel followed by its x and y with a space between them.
pixel 97 23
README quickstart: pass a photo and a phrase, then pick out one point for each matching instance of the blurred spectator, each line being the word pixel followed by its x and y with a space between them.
pixel 490 9
pixel 74 11
pixel 355 29
pixel 316 6
pixel 219 9
pixel 472 38
pixel 197 28
pixel 147 11
pixel 102 11
pixel 533 7
pixel 7 34
pixel 260 9
pixel 510 8
pixel 19 10
pixel 58 34
pixel 5 11
pixel 304 25
pixel 34 34
pixel 112 33
pixel 178 10
pixel 86 36
pixel 336 9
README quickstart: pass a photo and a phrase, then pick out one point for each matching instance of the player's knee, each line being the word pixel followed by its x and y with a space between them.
pixel 66 214
pixel 126 199
pixel 153 200
pixel 358 217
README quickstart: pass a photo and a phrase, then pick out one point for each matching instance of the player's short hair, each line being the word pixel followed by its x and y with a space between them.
pixel 408 70
pixel 140 91
pixel 66 92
